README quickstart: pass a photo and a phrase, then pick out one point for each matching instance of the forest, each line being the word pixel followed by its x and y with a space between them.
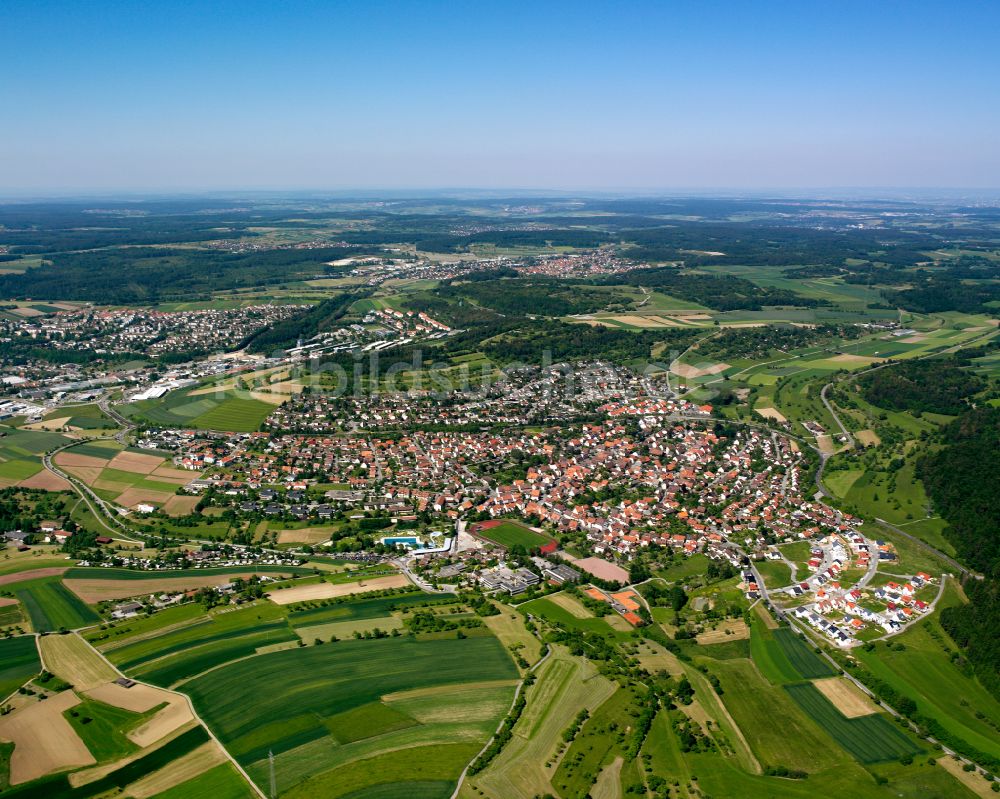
pixel 545 297
pixel 937 385
pixel 151 275
pixel 720 292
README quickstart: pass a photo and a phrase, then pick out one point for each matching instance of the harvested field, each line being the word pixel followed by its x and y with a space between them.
pixel 302 593
pixel 825 444
pixel 970 779
pixel 139 698
pixel 93 590
pixel 730 630
pixel 608 785
pixel 571 605
pixel 174 716
pixel 135 462
pixel 305 535
pixel 846 697
pixel 688 370
pixel 7 600
pixel 852 359
pixel 771 413
pixel 17 577
pixel 135 496
pixel 179 506
pixel 48 424
pixel 47 481
pixel 181 770
pixel 70 458
pixel 44 741
pixel 75 661
pixel 616 622
pixel 917 339
pixel 345 629
pixel 174 474
pixel 89 474
pixel 603 569
pixel 868 438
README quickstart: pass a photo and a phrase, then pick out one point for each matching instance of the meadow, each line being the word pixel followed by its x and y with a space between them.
pixel 920 670
pixel 18 663
pixel 565 686
pixel 52 606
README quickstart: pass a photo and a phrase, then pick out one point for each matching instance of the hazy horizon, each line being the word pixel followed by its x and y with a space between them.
pixel 180 97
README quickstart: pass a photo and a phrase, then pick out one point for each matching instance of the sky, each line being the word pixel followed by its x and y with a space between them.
pixel 102 96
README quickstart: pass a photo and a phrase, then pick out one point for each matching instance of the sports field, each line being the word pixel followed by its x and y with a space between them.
pixel 52 606
pixel 412 722
pixel 509 534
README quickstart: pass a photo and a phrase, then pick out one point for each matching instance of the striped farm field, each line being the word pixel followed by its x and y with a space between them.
pixel 783 656
pixel 18 663
pixel 869 739
pixel 203 643
pixel 52 606
pixel 365 716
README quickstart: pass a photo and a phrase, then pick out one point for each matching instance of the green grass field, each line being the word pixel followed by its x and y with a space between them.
pixel 545 608
pixel 102 728
pixel 870 739
pixel 509 534
pixel 18 663
pixel 305 695
pixel 52 606
pixel 360 609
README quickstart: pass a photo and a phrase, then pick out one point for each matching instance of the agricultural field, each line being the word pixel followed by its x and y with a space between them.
pixel 100 585
pixel 20 455
pixel 18 663
pixel 226 410
pixel 51 605
pixel 783 656
pixel 421 715
pixel 870 739
pixel 128 478
pixel 920 669
pixel 183 653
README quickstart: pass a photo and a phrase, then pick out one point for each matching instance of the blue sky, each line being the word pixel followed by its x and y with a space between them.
pixel 565 95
